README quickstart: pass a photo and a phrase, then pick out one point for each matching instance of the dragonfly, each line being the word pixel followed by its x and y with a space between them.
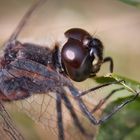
pixel 24 74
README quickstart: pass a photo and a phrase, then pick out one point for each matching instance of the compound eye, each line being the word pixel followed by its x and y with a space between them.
pixel 78 34
pixel 73 54
pixel 76 60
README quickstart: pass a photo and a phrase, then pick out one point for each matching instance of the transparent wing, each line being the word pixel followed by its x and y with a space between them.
pixel 42 109
pixel 8 128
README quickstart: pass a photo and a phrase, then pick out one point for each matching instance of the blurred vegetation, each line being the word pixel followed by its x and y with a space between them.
pixel 124 125
pixel 132 2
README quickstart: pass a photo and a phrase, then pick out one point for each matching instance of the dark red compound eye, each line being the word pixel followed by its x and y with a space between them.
pixel 73 53
pixel 78 34
pixel 76 55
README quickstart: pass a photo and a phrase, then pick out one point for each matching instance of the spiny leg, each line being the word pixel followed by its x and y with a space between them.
pixel 89 115
pixel 118 108
pixel 103 101
pixel 81 104
pixel 73 115
pixel 98 87
pixel 59 117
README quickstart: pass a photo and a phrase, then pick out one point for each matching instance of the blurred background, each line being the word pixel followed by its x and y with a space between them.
pixel 115 23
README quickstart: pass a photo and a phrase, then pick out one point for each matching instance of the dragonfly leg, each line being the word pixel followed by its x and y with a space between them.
pixel 89 115
pixel 74 116
pixel 59 117
pixel 117 108
pixel 103 101
pixel 98 87
pixel 110 60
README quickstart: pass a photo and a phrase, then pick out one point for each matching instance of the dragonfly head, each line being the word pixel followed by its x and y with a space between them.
pixel 81 55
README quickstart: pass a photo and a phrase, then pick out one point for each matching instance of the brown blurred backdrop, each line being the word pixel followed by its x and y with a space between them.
pixel 115 23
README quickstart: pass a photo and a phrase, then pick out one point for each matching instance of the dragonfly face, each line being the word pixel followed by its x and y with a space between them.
pixel 81 54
